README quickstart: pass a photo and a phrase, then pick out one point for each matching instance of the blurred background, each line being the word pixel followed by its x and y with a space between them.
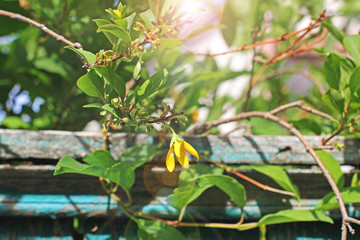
pixel 38 75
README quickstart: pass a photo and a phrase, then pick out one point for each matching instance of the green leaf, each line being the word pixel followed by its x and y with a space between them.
pixel 130 20
pixel 110 37
pixel 307 126
pixel 116 31
pixel 137 155
pixel 355 179
pixel 354 84
pixel 352 46
pixel 116 81
pixel 93 105
pixel 293 215
pixel 331 70
pixel 156 230
pixel 334 99
pixel 122 174
pixel 189 189
pixel 151 85
pixel 279 176
pixel 333 167
pixel 100 158
pixel 91 84
pixel 137 70
pixel 149 18
pixel 337 33
pixel 100 164
pixel 329 202
pixel 89 57
pixel 70 165
pixel 227 184
pixel 122 23
pixel 111 109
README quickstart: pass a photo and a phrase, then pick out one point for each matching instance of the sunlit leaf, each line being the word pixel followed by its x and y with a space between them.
pixel 156 230
pixel 331 70
pixel 89 57
pixel 352 46
pixel 333 167
pixel 279 176
pixel 91 84
pixel 293 215
pixel 329 202
pixel 116 31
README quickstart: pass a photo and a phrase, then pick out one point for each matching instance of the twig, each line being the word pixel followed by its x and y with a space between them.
pixel 162 119
pixel 157 12
pixel 309 149
pixel 300 104
pixel 287 52
pixel 283 37
pixel 246 178
pixel 342 124
pixel 41 27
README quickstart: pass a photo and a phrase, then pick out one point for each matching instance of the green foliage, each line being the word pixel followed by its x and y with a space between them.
pixel 137 62
pixel 329 202
pixel 91 84
pixel 189 188
pixel 100 163
pixel 293 215
pixel 279 176
pixel 155 230
pixel 333 166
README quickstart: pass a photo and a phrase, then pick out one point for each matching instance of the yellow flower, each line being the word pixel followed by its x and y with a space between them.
pixel 118 13
pixel 179 148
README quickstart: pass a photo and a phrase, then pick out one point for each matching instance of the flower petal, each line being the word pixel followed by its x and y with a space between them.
pixel 170 160
pixel 191 150
pixel 184 161
pixel 179 149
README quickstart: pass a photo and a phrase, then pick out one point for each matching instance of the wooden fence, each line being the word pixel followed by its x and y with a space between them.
pixel 34 203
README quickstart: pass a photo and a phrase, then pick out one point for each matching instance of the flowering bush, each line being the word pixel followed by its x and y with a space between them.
pixel 151 79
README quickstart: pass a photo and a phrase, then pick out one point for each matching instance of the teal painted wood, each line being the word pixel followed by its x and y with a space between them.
pixel 231 150
pixel 54 205
pixel 32 190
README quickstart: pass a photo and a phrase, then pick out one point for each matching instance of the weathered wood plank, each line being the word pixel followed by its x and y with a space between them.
pixel 21 144
pixel 35 228
pixel 34 191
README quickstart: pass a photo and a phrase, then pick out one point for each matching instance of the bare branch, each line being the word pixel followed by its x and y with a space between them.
pixel 41 27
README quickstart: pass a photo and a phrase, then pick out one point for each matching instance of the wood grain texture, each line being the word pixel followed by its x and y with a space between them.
pixel 32 190
pixel 19 144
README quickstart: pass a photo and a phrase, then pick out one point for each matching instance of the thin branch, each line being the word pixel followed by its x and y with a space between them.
pixel 41 27
pixel 309 149
pixel 246 178
pixel 162 119
pixel 342 124
pixel 157 12
pixel 283 37
pixel 300 104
